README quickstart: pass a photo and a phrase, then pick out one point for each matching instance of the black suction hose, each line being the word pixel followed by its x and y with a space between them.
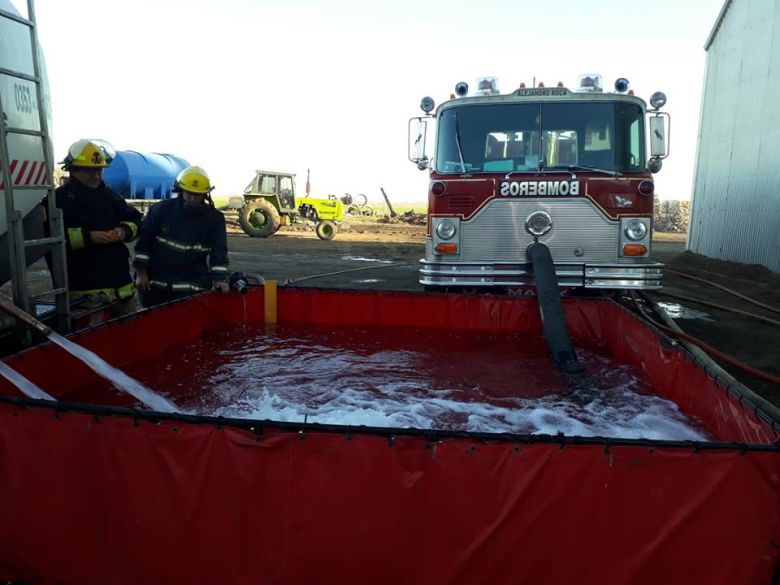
pixel 549 296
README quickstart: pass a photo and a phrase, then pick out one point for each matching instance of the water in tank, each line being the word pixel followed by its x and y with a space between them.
pixel 140 175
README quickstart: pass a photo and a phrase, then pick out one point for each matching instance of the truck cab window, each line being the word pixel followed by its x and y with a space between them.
pixel 560 148
pixel 517 137
pixel 632 145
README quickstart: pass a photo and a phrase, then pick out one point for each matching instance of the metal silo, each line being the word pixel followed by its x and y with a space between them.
pixel 735 213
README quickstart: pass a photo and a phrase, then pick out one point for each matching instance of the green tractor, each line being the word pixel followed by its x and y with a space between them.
pixel 269 202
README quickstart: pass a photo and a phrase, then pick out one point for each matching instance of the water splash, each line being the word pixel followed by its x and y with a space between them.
pixel 117 377
pixel 28 388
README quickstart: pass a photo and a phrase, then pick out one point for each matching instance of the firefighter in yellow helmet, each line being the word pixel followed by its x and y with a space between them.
pixel 98 224
pixel 182 247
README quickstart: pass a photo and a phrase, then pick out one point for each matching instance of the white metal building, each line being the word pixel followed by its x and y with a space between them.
pixel 735 212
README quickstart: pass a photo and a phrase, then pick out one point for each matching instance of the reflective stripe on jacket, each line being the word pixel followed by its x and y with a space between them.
pixel 95 266
pixel 181 247
pixel 110 294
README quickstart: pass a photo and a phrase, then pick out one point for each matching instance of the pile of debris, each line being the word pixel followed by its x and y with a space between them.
pixel 410 217
pixel 671 216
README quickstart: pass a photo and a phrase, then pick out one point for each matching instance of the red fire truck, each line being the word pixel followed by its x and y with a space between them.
pixel 564 168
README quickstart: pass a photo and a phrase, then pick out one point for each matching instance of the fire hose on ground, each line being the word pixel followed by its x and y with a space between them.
pixel 291 281
pixel 771 378
pixel 723 288
pixel 673 330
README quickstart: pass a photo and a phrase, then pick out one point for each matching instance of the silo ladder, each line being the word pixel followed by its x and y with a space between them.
pixel 55 241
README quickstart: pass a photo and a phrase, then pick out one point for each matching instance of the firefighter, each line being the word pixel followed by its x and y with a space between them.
pixel 98 223
pixel 177 237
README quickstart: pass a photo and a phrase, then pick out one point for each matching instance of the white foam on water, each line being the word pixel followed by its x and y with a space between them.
pixel 627 415
pixel 399 388
pixel 117 377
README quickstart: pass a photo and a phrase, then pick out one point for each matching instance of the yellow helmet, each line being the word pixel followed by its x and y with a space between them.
pixel 89 153
pixel 194 180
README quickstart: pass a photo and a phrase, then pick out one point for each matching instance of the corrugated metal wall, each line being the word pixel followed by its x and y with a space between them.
pixel 735 211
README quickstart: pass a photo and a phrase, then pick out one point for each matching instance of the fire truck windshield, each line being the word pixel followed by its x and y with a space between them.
pixel 502 138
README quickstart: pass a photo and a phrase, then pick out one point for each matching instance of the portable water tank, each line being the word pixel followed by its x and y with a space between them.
pixel 140 175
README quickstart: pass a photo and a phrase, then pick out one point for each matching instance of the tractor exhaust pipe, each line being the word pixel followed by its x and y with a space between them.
pixel 549 297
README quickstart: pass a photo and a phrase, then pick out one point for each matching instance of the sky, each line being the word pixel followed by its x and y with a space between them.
pixel 297 85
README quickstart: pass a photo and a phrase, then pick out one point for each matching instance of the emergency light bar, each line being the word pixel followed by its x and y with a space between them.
pixel 487 86
pixel 590 83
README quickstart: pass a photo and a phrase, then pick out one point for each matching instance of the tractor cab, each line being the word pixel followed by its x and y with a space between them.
pixel 274 187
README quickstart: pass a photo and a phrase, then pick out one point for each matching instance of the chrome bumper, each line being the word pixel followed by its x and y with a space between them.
pixel 646 276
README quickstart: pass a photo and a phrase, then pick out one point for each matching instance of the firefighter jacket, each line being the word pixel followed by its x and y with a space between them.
pixel 175 242
pixel 97 268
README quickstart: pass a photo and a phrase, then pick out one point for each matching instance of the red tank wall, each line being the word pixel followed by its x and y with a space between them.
pixel 119 498
pixel 602 325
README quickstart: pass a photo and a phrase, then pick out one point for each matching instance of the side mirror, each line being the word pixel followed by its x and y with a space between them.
pixel 418 131
pixel 658 136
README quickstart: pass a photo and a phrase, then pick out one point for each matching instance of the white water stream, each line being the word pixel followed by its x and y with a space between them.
pixel 28 388
pixel 117 377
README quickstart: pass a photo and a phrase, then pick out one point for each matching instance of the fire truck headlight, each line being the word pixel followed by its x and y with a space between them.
pixel 445 229
pixel 538 223
pixel 658 100
pixel 635 230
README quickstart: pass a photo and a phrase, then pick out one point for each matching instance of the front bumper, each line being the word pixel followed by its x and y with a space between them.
pixel 645 276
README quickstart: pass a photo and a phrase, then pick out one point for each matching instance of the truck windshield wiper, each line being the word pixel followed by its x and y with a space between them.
pixel 458 144
pixel 572 168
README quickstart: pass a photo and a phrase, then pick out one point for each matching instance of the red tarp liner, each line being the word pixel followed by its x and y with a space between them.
pixel 111 499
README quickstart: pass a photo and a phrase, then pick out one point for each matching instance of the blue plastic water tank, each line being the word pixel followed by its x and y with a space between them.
pixel 140 175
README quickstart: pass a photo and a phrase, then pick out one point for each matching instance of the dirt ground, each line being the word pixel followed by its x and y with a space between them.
pixel 370 255
pixel 380 256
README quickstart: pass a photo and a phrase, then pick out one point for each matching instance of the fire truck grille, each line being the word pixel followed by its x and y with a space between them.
pixel 496 232
pixel 463 203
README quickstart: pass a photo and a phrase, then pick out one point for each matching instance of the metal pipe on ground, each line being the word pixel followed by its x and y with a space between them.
pixel 25 318
pixel 387 200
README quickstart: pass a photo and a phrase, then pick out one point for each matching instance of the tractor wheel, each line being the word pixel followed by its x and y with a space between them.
pixel 259 219
pixel 326 229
